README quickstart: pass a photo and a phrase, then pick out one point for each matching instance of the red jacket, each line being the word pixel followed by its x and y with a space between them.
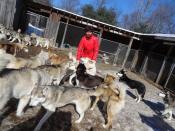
pixel 88 48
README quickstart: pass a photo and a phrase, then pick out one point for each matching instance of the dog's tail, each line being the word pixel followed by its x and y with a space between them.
pixel 5 59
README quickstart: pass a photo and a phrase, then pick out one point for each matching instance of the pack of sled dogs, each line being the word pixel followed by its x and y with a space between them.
pixel 14 41
pixel 41 85
pixel 39 81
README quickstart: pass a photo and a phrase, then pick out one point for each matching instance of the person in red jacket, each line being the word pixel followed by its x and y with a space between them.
pixel 88 46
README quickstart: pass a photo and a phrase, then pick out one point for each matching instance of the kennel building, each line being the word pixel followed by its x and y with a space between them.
pixel 149 55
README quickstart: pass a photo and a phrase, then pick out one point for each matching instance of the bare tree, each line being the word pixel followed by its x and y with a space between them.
pixel 137 20
pixel 101 3
pixel 70 5
pixel 162 19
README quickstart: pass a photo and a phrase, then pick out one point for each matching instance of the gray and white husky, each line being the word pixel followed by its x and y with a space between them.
pixel 169 100
pixel 52 97
pixel 20 83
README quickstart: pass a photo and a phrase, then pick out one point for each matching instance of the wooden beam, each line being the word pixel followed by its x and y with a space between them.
pixel 134 62
pixel 169 75
pixel 100 37
pixel 64 35
pixel 163 65
pixel 128 51
pixel 144 65
pixel 116 55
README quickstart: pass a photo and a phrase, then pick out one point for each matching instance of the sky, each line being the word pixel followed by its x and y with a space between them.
pixel 123 6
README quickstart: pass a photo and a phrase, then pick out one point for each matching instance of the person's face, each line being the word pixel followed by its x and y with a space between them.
pixel 88 34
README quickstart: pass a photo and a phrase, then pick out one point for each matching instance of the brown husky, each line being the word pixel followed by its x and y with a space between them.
pixel 113 95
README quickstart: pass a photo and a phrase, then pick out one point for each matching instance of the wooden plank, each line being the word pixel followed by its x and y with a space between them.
pixel 127 53
pixel 7 11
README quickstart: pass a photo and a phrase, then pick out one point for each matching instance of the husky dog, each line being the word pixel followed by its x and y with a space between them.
pixel 3 33
pixel 43 42
pixel 16 36
pixel 113 94
pixel 133 84
pixel 54 97
pixel 85 80
pixel 169 100
pixel 13 48
pixel 20 83
pixel 12 62
pixel 90 65
pixel 82 79
pixel 105 58
pixel 27 40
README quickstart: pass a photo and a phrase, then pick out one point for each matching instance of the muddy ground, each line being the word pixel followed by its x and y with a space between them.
pixel 144 116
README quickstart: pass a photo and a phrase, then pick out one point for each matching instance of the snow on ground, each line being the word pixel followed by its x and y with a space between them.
pixel 143 116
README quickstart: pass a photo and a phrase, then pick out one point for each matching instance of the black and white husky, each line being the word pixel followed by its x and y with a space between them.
pixel 169 100
pixel 82 79
pixel 133 84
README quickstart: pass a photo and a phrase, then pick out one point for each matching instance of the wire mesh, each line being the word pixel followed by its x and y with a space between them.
pixel 73 35
pixel 121 54
pixel 130 59
pixel 36 24
pixel 166 71
pixel 139 63
pixel 171 83
pixel 107 59
pixel 108 46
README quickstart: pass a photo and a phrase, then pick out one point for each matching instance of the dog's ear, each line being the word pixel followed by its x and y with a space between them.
pixel 113 77
pixel 71 57
pixel 124 70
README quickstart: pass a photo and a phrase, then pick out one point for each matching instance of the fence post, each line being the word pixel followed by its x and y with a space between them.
pixel 100 36
pixel 116 55
pixel 64 35
pixel 134 62
pixel 163 65
pixel 170 73
pixel 55 37
pixel 161 70
pixel 144 65
pixel 127 53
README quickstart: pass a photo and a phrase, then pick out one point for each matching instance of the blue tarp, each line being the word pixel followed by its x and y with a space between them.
pixel 34 29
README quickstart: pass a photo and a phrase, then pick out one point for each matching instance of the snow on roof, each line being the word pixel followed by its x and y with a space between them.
pixel 137 33
pixel 97 21
pixel 160 35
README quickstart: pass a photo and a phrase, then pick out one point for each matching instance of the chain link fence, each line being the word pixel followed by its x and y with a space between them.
pixel 152 66
pixel 36 24
pixel 171 80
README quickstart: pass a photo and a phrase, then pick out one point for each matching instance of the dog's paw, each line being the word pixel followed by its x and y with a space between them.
pixel 105 125
pixel 137 101
pixel 19 114
pixel 77 121
pixel 92 108
pixel 169 118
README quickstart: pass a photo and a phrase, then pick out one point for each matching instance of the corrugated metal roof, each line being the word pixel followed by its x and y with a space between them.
pixel 159 36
